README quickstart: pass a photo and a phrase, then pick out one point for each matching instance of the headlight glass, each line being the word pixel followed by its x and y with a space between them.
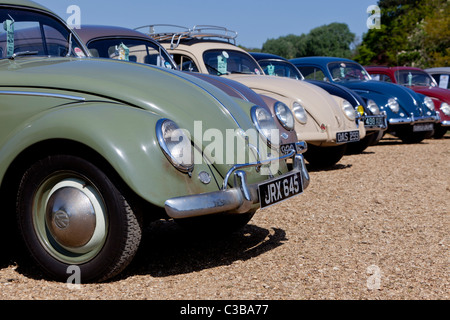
pixel 429 103
pixel 176 145
pixel 300 113
pixel 373 107
pixel 285 116
pixel 393 105
pixel 266 125
pixel 445 108
pixel 349 111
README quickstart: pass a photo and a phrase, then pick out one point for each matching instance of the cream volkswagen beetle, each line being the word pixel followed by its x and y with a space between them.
pixel 327 123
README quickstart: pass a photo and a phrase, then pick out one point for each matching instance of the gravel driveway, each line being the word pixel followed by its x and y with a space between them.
pixel 375 226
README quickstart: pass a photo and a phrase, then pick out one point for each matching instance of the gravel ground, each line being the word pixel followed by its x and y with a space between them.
pixel 375 226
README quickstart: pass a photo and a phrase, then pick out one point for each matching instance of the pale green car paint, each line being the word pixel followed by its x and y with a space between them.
pixel 109 126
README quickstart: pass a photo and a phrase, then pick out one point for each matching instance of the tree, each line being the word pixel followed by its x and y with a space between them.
pixel 329 40
pixel 412 33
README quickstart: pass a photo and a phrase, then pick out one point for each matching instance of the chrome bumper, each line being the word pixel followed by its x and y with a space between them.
pixel 445 123
pixel 235 200
pixel 414 120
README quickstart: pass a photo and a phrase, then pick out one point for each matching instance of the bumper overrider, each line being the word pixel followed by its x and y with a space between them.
pixel 244 197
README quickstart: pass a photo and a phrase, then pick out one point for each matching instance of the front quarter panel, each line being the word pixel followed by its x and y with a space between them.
pixel 123 136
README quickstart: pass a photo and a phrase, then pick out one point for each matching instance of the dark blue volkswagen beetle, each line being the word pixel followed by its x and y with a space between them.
pixel 374 120
pixel 411 116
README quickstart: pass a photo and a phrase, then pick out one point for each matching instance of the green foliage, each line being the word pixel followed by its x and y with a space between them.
pixel 413 33
pixel 328 40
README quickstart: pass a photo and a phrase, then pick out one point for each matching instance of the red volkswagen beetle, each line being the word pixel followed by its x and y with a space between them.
pixel 421 82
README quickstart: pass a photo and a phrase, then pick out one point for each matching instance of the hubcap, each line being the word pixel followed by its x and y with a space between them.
pixel 70 217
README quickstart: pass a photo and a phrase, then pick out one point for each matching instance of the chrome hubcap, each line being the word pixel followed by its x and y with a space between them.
pixel 70 217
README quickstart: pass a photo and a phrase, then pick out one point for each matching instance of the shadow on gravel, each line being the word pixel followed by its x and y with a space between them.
pixel 168 250
pixel 337 166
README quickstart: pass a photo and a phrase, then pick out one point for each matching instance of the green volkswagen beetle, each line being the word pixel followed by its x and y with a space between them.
pixel 91 147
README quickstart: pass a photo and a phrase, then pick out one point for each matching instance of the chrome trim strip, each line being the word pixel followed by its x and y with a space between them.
pixel 42 94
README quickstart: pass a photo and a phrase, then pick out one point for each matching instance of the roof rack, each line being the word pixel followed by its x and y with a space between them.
pixel 197 32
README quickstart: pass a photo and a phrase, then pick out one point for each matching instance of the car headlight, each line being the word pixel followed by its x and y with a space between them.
pixel 393 105
pixel 445 108
pixel 348 109
pixel 300 113
pixel 266 125
pixel 284 116
pixel 175 144
pixel 429 103
pixel 373 107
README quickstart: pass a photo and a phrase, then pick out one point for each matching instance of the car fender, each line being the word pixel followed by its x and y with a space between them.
pixel 115 132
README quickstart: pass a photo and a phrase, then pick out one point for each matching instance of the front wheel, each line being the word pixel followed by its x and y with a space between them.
pixel 71 214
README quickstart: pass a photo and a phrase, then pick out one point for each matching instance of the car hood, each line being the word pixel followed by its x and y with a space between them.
pixel 434 92
pixel 183 99
pixel 317 102
pixel 409 100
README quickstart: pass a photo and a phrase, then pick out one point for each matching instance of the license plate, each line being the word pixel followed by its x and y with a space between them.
pixel 279 190
pixel 374 121
pixel 423 127
pixel 286 148
pixel 349 136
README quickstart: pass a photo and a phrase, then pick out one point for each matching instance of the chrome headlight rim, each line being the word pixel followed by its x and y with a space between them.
pixel 299 113
pixel 285 116
pixel 445 108
pixel 373 107
pixel 265 129
pixel 168 149
pixel 393 105
pixel 428 102
pixel 348 110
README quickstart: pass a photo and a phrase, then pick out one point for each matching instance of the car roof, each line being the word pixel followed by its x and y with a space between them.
pixel 319 60
pixel 25 3
pixel 261 56
pixel 89 32
pixel 392 68
pixel 438 70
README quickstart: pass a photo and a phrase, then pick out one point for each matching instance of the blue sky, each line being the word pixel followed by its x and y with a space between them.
pixel 254 20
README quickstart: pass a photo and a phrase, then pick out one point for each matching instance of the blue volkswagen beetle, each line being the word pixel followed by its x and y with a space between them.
pixel 411 116
pixel 374 120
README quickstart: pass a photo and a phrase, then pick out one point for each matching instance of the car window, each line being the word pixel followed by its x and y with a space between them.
pixel 312 73
pixel 220 62
pixel 280 68
pixel 442 80
pixel 31 33
pixel 134 50
pixel 414 78
pixel 380 77
pixel 347 71
pixel 185 63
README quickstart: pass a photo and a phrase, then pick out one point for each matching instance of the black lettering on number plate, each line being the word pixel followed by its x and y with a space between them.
pixel 281 189
pixel 349 136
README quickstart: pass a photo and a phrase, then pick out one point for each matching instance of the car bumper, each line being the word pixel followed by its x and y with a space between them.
pixel 413 120
pixel 445 123
pixel 235 200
